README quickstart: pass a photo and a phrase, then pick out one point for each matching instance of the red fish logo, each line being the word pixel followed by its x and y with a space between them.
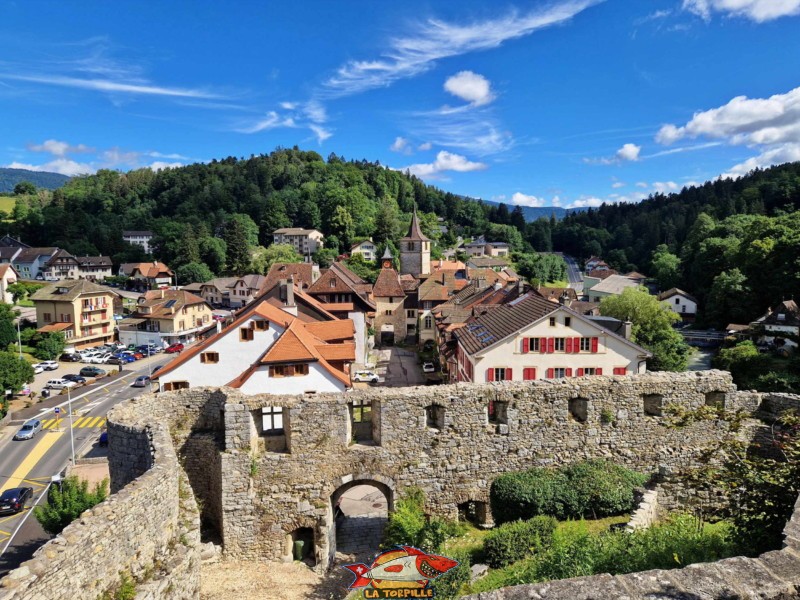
pixel 404 565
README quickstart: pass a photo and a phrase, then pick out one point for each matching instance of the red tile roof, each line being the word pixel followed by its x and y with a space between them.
pixel 388 285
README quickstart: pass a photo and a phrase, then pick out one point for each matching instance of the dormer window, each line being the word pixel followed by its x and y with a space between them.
pixel 333 282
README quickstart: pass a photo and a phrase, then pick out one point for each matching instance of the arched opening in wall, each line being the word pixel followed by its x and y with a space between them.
pixel 473 511
pixel 360 511
pixel 300 544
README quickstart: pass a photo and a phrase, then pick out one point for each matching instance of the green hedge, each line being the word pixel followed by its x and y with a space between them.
pixel 449 585
pixel 596 488
pixel 409 526
pixel 513 541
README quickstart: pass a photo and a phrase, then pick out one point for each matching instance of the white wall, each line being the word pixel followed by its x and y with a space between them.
pixel 684 306
pixel 318 380
pixel 611 352
pixel 361 335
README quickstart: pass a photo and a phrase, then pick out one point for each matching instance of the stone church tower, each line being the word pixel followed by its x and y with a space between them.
pixel 415 251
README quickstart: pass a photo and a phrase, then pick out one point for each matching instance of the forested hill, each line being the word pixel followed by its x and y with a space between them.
pixel 735 244
pixel 11 177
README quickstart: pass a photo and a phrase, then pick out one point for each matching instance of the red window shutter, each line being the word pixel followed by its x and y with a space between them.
pixel 542 345
pixel 569 345
pixel 550 373
pixel 526 344
pixel 528 374
pixel 599 371
pixel 489 374
pixel 619 370
pixel 551 345
pixel 509 375
pixel 568 372
pixel 576 345
pixel 580 372
pixel 594 344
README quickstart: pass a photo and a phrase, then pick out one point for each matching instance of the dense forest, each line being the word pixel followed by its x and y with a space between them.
pixel 11 177
pixel 734 244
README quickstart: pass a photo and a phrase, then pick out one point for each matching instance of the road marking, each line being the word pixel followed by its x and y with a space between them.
pixel 6 532
pixel 34 456
pixel 27 513
pixel 32 482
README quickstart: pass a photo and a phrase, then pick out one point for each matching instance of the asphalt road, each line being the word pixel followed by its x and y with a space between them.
pixel 32 463
pixel 574 274
pixel 399 367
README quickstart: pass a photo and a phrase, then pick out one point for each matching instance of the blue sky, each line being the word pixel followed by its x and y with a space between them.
pixel 566 103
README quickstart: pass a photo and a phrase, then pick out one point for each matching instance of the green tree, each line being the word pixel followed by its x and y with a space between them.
pixel 24 188
pixel 325 257
pixel 18 291
pixel 50 346
pixel 366 269
pixel 264 258
pixel 652 327
pixel 386 222
pixel 8 331
pixel 189 248
pixel 238 248
pixel 342 226
pixel 728 298
pixel 213 252
pixel 666 267
pixel 67 502
pixel 193 272
pixel 14 372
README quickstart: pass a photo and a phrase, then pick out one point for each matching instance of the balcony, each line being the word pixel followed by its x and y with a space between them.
pixel 94 307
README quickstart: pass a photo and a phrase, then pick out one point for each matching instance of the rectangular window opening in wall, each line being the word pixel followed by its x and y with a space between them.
pixel 498 412
pixel 209 357
pixel 560 344
pixel 245 334
pixel 434 416
pixel 567 321
pixel 261 325
pixel 579 409
pixel 552 321
pixel 171 386
pixel 653 405
pixel 715 399
pixel 586 344
pixel 272 420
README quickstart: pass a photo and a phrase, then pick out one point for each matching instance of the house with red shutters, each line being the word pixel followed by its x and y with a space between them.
pixel 533 338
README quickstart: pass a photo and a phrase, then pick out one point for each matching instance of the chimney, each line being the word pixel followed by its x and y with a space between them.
pixel 497 285
pixel 443 278
pixel 219 326
pixel 626 329
pixel 162 293
pixel 564 298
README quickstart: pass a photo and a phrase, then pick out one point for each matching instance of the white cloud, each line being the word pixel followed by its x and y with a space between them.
pixel 475 131
pixel 172 156
pixel 520 199
pixel 642 184
pixel 105 85
pixel 159 165
pixel 755 10
pixel 423 147
pixel 586 202
pixel 629 152
pixel 57 148
pixel 435 39
pixel 401 145
pixel 665 187
pixel 59 165
pixel 445 161
pixel 471 87
pixel 288 105
pixel 315 111
pixel 272 120
pixel 618 184
pixel 784 153
pixel 321 133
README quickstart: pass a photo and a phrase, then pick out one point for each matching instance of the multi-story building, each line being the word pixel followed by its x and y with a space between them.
pixel 63 265
pixel 94 268
pixel 305 241
pixel 780 326
pixel 245 289
pixel 389 296
pixel 532 338
pixel 82 310
pixel 613 285
pixel 166 317
pixel 368 249
pixel 268 350
pixel 8 276
pixel 30 262
pixel 433 291
pixel 148 275
pixel 681 303
pixel 415 250
pixel 140 238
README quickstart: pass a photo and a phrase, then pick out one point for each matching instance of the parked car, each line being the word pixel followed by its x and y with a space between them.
pixel 174 348
pixel 98 359
pixel 138 355
pixel 60 384
pixel 428 367
pixel 70 357
pixel 49 365
pixel 142 381
pixel 125 357
pixel 367 376
pixel 103 439
pixel 76 378
pixel 37 368
pixel 28 430
pixel 155 369
pixel 91 372
pixel 13 500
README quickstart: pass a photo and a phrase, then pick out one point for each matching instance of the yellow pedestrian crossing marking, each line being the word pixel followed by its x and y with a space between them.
pixel 78 422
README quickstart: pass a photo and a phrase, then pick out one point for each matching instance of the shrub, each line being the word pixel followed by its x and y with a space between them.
pixel 448 586
pixel 596 488
pixel 67 502
pixel 512 541
pixel 409 526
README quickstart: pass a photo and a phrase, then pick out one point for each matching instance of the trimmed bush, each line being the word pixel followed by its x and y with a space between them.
pixel 596 488
pixel 513 541
pixel 409 526
pixel 448 586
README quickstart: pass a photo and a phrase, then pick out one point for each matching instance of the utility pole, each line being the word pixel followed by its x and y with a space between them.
pixel 71 435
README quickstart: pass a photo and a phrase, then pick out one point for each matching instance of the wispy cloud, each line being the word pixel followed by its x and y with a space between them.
pixel 309 115
pixel 445 161
pixel 57 148
pixel 104 85
pixel 755 10
pixel 434 40
pixel 476 131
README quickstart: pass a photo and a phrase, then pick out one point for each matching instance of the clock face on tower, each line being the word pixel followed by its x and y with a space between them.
pixel 387 264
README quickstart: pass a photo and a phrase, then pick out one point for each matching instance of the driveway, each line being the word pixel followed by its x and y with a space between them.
pixel 399 367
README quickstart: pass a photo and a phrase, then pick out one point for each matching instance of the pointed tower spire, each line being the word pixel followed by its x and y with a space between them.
pixel 415 231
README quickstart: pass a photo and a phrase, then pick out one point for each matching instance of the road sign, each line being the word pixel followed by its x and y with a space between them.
pixel 56 410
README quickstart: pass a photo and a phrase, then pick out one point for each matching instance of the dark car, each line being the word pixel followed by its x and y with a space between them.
pixel 75 378
pixel 126 357
pixel 13 500
pixel 103 440
pixel 92 372
pixel 70 357
pixel 174 348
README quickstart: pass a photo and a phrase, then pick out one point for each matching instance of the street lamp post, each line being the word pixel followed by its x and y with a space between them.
pixel 71 435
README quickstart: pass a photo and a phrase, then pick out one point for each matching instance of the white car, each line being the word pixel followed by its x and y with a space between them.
pixel 37 368
pixel 49 365
pixel 60 384
pixel 98 359
pixel 367 376
pixel 428 367
pixel 88 356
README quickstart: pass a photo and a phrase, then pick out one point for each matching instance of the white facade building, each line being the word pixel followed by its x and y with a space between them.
pixel 368 249
pixel 679 302
pixel 140 238
pixel 305 241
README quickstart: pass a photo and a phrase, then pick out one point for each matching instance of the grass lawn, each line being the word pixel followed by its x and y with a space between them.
pixel 26 302
pixel 7 203
pixel 560 284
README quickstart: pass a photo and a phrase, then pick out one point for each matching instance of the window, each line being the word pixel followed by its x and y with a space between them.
pixel 272 420
pixel 653 404
pixel 333 282
pixel 245 334
pixel 587 371
pixel 552 321
pixel 620 371
pixel 531 345
pixel 498 412
pixel 556 373
pixel 559 345
pixel 434 416
pixel 677 300
pixel 499 374
pixel 176 385
pixel 411 245
pixel 410 314
pixel 362 411
pixel 567 321
pixel 47 317
pixel 388 312
pixel 586 344
pixel 261 325
pixel 579 409
pixel 528 374
pixel 209 357
pixel 429 322
pixel 427 305
pixel 293 370
pixel 715 399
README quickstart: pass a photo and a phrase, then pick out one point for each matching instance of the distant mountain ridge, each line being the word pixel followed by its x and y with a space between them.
pixel 41 179
pixel 537 212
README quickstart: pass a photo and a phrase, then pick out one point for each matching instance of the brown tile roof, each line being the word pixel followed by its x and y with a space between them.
pixel 482 262
pixel 60 254
pixel 788 309
pixel 150 270
pixel 675 292
pixel 601 274
pixel 294 344
pixel 31 254
pixel 336 307
pixel 55 327
pixel 585 308
pixel 165 304
pixel 415 231
pixel 221 283
pixel 409 282
pixel 302 273
pixel 338 352
pixel 94 261
pixel 329 331
pixel 439 287
pixel 388 285
pixel 447 265
pixel 555 293
pixel 253 282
